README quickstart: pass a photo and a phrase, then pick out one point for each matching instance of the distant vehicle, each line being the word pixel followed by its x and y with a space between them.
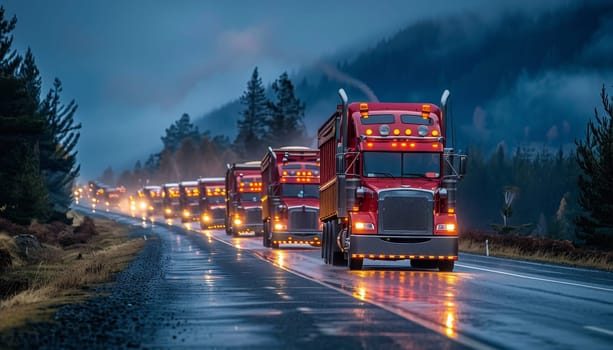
pixel 96 193
pixel 113 197
pixel 290 204
pixel 243 184
pixel 189 201
pixel 388 185
pixel 212 202
pixel 170 200
pixel 153 195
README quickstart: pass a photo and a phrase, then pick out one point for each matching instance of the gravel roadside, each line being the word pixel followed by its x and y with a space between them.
pixel 114 318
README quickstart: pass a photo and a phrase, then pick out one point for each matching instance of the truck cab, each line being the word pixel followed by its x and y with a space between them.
pixel 243 183
pixel 170 200
pixel 290 204
pixel 212 202
pixel 153 196
pixel 189 201
pixel 388 185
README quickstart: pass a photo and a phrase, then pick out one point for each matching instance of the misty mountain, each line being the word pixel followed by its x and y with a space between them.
pixel 518 78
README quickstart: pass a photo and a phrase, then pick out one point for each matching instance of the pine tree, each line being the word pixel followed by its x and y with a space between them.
pixel 179 131
pixel 29 73
pixel 58 149
pixel 9 59
pixel 22 198
pixel 252 126
pixel 595 158
pixel 286 122
pixel 27 195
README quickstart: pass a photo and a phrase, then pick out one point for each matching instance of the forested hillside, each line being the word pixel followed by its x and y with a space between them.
pixel 524 77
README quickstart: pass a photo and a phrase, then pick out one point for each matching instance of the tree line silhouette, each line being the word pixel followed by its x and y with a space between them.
pixel 38 137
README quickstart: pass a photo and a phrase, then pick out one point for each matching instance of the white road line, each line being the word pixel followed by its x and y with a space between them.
pixel 433 326
pixel 598 329
pixel 536 278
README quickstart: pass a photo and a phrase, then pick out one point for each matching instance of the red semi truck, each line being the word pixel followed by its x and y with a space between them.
pixel 170 200
pixel 388 185
pixel 212 202
pixel 153 196
pixel 189 201
pixel 243 184
pixel 290 201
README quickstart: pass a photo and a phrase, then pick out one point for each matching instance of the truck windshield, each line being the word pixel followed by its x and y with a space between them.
pixel 216 199
pixel 402 164
pixel 250 197
pixel 300 190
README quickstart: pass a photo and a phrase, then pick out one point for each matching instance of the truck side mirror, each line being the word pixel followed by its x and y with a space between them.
pixel 462 167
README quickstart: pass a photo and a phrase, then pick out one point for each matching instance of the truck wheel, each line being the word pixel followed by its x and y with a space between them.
pixel 266 236
pixel 424 264
pixel 445 265
pixel 323 241
pixel 325 247
pixel 336 256
pixel 228 227
pixel 355 264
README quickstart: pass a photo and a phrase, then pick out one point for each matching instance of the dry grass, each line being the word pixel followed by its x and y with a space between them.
pixel 64 274
pixel 536 249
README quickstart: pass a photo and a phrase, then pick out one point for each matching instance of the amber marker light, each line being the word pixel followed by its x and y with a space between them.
pixel 425 111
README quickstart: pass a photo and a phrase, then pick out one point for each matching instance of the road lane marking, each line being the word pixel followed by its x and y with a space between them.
pixel 433 326
pixel 536 278
pixel 598 329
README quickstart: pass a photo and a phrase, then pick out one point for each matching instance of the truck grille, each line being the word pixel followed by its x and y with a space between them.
pixel 403 212
pixel 253 216
pixel 303 219
pixel 218 213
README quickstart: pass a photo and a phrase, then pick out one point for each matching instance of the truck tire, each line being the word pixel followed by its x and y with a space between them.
pixel 326 249
pixel 424 264
pixel 266 241
pixel 228 227
pixel 337 257
pixel 445 265
pixel 355 264
pixel 323 241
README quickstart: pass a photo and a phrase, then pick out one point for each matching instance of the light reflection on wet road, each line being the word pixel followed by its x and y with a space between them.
pixel 508 303
pixel 218 296
pixel 232 292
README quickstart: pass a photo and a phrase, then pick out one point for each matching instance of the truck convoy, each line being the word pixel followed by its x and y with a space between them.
pixel 243 184
pixel 170 200
pixel 388 185
pixel 189 201
pixel 212 202
pixel 290 201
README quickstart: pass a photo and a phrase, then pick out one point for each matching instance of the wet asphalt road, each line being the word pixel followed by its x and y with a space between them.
pixel 203 289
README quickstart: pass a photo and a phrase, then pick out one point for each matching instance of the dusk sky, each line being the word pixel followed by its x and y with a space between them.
pixel 134 67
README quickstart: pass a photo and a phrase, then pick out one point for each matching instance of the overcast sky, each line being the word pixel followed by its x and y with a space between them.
pixel 134 67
